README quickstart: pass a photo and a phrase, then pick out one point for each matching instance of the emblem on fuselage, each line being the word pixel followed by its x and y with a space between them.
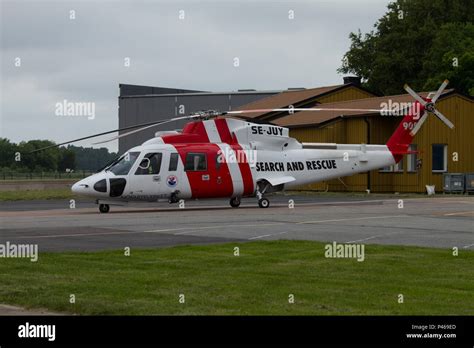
pixel 172 181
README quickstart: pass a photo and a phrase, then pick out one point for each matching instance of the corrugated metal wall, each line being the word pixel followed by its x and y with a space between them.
pixel 142 109
pixel 458 109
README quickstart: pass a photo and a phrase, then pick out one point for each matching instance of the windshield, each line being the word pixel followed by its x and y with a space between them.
pixel 106 167
pixel 123 164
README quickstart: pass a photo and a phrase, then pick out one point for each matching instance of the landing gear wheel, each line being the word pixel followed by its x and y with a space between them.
pixel 235 202
pixel 173 198
pixel 104 208
pixel 263 203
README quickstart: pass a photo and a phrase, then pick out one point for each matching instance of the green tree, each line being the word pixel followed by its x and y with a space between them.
pixel 88 158
pixel 68 159
pixel 415 42
pixel 452 57
pixel 45 160
pixel 7 153
pixel 54 159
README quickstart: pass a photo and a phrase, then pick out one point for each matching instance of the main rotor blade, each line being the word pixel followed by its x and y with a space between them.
pixel 237 112
pixel 108 132
pixel 443 119
pixel 439 91
pixel 143 128
pixel 414 95
pixel 419 124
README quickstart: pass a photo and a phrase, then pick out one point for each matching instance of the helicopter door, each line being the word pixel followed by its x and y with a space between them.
pixel 206 175
pixel 146 182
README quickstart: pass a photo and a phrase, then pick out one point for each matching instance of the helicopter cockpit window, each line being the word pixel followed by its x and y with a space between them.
pixel 123 164
pixel 150 164
pixel 195 161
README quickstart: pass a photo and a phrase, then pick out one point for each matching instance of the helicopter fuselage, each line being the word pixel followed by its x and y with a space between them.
pixel 165 169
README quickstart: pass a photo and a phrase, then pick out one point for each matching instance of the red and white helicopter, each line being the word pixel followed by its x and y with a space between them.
pixel 221 157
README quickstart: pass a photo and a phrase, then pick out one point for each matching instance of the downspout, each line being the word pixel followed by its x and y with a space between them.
pixel 368 142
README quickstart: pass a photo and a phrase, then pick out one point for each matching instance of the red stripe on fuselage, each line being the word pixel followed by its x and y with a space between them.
pixel 244 170
pixel 226 137
pixel 214 181
pixel 224 131
pixel 193 132
pixel 194 138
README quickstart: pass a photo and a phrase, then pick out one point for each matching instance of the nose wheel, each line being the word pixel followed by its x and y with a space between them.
pixel 173 198
pixel 263 203
pixel 104 208
pixel 235 202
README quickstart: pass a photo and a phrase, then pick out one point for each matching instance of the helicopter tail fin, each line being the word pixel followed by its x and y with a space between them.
pixel 412 122
pixel 403 136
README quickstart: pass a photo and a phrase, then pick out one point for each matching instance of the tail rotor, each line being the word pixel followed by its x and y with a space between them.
pixel 429 106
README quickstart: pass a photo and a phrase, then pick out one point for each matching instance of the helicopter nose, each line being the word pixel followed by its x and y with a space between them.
pixel 81 187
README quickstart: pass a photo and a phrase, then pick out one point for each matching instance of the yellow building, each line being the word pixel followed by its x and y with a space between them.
pixel 440 149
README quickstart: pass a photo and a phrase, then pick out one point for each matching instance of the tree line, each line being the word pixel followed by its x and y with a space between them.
pixel 18 157
pixel 419 42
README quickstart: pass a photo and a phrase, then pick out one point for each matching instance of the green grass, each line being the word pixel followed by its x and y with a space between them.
pixel 49 176
pixel 36 194
pixel 215 282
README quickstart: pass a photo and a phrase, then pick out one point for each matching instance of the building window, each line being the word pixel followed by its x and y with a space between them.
pixel 387 169
pixel 439 158
pixel 150 164
pixel 173 162
pixel 412 159
pixel 195 161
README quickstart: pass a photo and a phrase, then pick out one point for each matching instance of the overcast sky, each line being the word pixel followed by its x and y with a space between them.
pixel 82 59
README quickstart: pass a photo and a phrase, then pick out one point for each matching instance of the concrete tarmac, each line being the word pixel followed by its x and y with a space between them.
pixel 443 222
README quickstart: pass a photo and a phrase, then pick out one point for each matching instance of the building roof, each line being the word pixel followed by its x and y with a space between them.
pixel 134 90
pixel 202 94
pixel 306 118
pixel 289 97
pixel 137 91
